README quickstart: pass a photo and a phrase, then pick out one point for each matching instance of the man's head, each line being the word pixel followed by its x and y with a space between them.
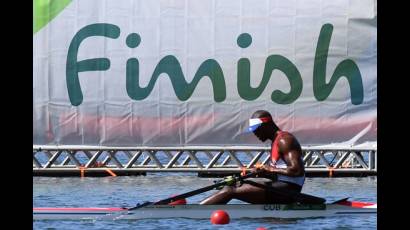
pixel 262 125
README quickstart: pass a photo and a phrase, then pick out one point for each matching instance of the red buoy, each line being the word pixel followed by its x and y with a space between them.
pixel 178 202
pixel 261 228
pixel 220 217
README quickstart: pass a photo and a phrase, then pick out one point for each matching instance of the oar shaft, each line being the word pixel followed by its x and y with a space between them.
pixel 191 193
pixel 188 194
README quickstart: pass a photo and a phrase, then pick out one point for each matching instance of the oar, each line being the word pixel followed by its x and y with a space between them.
pixel 227 181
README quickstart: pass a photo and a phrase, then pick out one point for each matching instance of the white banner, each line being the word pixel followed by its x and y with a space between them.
pixel 176 73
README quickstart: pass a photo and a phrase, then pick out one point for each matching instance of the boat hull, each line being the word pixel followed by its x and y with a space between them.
pixel 194 211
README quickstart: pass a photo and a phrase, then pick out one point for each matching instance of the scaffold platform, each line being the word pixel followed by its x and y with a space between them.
pixel 207 161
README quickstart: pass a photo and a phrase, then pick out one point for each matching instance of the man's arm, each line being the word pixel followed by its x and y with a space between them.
pixel 291 152
pixel 294 168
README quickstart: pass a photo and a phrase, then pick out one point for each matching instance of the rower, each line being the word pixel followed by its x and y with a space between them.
pixel 284 175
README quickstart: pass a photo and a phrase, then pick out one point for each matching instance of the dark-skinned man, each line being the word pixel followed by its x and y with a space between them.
pixel 285 172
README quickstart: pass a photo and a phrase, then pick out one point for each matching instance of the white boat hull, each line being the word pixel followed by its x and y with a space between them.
pixel 195 211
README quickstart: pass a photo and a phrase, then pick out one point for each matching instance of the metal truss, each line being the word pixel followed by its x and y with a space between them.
pixel 70 160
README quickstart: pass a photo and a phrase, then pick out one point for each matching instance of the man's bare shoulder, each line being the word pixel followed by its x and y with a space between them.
pixel 288 142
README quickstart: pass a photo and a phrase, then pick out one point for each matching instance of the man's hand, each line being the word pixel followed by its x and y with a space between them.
pixel 260 170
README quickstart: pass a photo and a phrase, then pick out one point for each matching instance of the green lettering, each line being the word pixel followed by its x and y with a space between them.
pixel 183 90
pixel 346 68
pixel 247 92
pixel 73 66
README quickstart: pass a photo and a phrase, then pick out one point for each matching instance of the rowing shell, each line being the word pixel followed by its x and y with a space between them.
pixel 196 211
